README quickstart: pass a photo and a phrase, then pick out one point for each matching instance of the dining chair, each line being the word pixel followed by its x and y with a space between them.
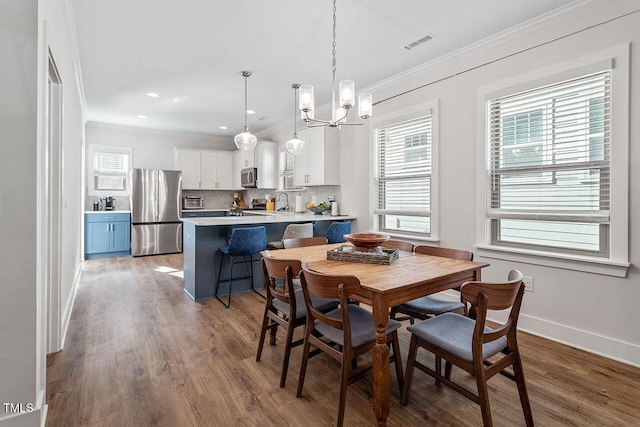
pixel 304 241
pixel 344 333
pixel 469 343
pixel 337 230
pixel 291 232
pixel 398 244
pixel 429 306
pixel 285 306
pixel 244 242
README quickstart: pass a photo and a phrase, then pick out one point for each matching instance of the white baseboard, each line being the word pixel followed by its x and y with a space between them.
pixel 37 417
pixel 610 348
pixel 68 307
pixel 601 345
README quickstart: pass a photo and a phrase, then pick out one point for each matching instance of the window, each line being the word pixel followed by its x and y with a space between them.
pixel 550 166
pixel 108 170
pixel 287 160
pixel 403 176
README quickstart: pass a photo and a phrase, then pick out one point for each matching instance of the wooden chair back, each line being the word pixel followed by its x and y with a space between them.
pixel 331 287
pixel 280 269
pixel 304 241
pixel 500 296
pixel 485 296
pixel 398 244
pixel 444 252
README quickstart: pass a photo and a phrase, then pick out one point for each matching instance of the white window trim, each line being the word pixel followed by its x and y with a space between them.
pixel 94 148
pixel 429 108
pixel 617 59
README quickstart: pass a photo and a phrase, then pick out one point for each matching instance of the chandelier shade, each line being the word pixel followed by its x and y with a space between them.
pixel 346 97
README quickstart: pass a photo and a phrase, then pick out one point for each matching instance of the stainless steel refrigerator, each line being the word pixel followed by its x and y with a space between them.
pixel 155 212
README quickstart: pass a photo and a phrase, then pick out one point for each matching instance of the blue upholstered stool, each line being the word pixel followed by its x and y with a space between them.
pixel 337 230
pixel 244 242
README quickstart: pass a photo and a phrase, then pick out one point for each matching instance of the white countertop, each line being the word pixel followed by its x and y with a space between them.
pixel 106 212
pixel 265 217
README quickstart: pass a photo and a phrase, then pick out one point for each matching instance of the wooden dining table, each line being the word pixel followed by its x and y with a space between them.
pixel 383 286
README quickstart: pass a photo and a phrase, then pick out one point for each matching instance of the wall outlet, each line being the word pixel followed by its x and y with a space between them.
pixel 528 283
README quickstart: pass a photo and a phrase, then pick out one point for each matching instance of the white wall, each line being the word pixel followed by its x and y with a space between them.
pixel 591 311
pixel 24 42
pixel 18 119
pixel 153 149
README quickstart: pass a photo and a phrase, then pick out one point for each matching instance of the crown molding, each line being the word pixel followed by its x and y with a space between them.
pixel 72 37
pixel 127 128
pixel 494 39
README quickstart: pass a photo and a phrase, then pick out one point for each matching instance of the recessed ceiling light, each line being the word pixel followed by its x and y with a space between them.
pixel 140 116
pixel 153 95
pixel 223 127
pixel 174 100
pixel 250 112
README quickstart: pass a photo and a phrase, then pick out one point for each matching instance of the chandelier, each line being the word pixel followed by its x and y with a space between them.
pixel 339 112
pixel 294 145
pixel 245 140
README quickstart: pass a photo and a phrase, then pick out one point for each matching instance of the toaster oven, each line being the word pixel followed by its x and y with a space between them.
pixel 192 202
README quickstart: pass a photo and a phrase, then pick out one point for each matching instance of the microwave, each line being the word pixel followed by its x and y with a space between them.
pixel 249 178
pixel 192 202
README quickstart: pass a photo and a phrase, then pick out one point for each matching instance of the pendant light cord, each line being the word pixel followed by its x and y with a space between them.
pixel 295 112
pixel 333 67
pixel 246 128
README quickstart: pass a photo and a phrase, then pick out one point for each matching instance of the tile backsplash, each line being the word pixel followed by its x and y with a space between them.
pixel 224 199
pixel 122 203
pixel 321 194
pixel 212 199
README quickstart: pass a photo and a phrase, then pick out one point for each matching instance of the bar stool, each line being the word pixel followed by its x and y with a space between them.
pixel 337 230
pixel 293 231
pixel 244 242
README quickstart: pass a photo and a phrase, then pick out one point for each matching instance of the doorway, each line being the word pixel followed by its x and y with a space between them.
pixel 54 205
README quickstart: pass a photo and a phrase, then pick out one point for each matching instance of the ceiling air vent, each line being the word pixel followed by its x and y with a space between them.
pixel 418 42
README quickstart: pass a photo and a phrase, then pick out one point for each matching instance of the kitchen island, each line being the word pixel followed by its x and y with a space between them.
pixel 202 236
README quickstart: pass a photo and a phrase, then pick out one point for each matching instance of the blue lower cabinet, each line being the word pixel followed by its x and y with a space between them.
pixel 107 235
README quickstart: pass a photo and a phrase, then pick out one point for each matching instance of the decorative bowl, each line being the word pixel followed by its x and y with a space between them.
pixel 318 211
pixel 366 242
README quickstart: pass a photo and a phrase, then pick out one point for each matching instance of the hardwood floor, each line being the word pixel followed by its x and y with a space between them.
pixel 140 352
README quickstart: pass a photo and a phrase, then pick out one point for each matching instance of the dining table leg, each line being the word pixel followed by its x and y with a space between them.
pixel 381 378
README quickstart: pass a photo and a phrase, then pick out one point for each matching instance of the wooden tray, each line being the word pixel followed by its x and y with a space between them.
pixel 349 254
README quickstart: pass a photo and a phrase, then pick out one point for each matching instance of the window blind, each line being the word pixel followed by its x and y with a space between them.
pixel 402 181
pixel 110 170
pixel 549 164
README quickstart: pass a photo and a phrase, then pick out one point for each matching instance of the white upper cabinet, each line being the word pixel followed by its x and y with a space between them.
pixel 188 161
pixel 205 169
pixel 247 159
pixel 267 163
pixel 265 158
pixel 319 162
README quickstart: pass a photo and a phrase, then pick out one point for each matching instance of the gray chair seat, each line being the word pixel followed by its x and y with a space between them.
pixel 362 328
pixel 453 333
pixel 431 305
pixel 322 304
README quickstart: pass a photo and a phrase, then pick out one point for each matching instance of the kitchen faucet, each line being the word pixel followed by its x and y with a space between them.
pixel 284 208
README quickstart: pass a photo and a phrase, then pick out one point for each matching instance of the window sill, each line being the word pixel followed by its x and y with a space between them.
pixel 585 264
pixel 408 237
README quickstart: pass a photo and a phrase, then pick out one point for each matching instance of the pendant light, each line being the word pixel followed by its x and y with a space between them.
pixel 339 112
pixel 245 140
pixel 294 145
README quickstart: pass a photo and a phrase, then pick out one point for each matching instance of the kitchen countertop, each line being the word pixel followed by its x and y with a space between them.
pixel 264 217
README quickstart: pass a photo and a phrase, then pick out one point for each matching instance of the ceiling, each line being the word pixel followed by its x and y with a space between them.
pixel 191 53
